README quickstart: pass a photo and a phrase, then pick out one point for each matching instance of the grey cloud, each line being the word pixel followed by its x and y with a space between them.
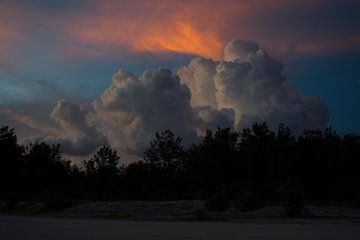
pixel 81 137
pixel 211 118
pixel 137 107
pixel 240 49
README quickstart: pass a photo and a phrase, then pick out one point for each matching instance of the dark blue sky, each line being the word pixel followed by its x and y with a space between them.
pixel 335 78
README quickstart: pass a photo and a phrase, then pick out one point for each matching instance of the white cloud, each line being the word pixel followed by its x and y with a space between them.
pixel 198 76
pixel 133 108
pixel 246 87
pixel 253 85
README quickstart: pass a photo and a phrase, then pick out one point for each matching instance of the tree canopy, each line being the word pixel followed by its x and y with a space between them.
pixel 257 159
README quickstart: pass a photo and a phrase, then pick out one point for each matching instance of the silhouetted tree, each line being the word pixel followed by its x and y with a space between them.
pixel 165 151
pixel 165 159
pixel 45 168
pixel 137 181
pixel 104 162
pixel 283 150
pixel 213 162
pixel 256 147
pixel 102 172
pixel 351 155
pixel 11 165
pixel 242 165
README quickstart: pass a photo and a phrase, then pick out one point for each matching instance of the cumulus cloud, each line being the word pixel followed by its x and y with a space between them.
pixel 137 107
pixel 247 86
pixel 81 137
pixel 209 118
pixel 198 77
pixel 252 84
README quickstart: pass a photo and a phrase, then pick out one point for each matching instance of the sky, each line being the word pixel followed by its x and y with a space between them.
pixel 294 62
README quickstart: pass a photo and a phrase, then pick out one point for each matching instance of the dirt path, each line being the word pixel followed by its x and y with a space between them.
pixel 24 227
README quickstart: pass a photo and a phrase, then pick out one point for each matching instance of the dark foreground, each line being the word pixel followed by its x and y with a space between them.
pixel 26 227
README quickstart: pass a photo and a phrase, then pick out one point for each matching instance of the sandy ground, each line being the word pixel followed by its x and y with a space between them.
pixel 189 210
pixel 31 227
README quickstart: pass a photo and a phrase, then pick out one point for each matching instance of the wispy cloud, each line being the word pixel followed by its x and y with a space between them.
pixel 30 122
pixel 124 29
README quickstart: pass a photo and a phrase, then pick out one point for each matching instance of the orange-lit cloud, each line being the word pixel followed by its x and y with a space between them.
pixel 189 27
pixel 125 29
pixel 185 39
pixel 173 27
pixel 8 31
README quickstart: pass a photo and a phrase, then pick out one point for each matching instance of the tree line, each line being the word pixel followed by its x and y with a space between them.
pixel 256 161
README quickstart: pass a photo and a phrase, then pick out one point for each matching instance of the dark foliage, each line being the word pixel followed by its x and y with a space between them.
pixel 246 167
pixel 217 203
pixel 55 200
pixel 293 198
pixel 213 163
pixel 161 175
pixel 247 201
pixel 102 173
pixel 165 152
pixel 11 166
pixel 45 168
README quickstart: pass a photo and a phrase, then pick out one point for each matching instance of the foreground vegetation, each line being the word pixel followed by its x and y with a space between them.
pixel 242 168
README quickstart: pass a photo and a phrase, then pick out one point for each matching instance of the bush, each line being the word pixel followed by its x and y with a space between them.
pixel 217 203
pixel 247 200
pixel 200 214
pixel 11 200
pixel 349 190
pixel 293 198
pixel 55 200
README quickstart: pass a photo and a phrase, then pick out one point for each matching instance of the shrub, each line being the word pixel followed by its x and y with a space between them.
pixel 349 190
pixel 293 198
pixel 217 203
pixel 11 200
pixel 247 200
pixel 200 214
pixel 55 200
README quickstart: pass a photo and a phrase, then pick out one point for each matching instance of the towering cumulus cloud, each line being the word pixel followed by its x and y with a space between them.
pixel 252 84
pixel 133 108
pixel 247 86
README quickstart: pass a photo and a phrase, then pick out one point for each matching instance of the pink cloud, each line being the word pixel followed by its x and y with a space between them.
pixel 124 29
pixel 190 27
pixel 9 30
pixel 30 122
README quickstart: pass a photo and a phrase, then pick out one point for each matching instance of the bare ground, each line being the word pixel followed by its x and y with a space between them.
pixel 180 220
pixel 194 210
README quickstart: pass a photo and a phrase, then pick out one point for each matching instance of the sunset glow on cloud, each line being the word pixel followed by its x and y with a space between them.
pixel 125 28
pixel 185 30
pixel 190 27
pixel 178 36
pixel 9 31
